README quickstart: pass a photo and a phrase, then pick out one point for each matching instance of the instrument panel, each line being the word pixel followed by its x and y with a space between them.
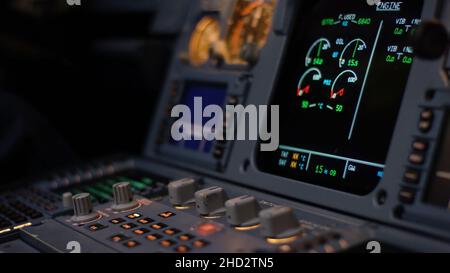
pixel 363 154
pixel 341 89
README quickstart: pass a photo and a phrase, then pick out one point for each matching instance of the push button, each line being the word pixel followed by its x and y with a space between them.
pixel 118 238
pixel 96 227
pixel 407 195
pixel 153 237
pixel 145 221
pixel 200 243
pixel 166 214
pixel 186 237
pixel 131 244
pixel 167 243
pixel 412 176
pixel 133 216
pixel 171 231
pixel 158 226
pixel 182 249
pixel 420 145
pixel 116 221
pixel 128 226
pixel 140 231
pixel 416 158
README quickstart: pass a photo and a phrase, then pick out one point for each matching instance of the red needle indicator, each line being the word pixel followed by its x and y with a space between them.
pixel 305 90
pixel 339 93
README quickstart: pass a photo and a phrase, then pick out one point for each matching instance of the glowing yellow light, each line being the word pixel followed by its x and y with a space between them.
pixel 22 226
pixel 276 241
pixel 5 230
pixel 247 228
pixel 182 207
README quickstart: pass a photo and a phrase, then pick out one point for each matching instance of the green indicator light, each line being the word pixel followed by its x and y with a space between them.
pixel 364 21
pixel 398 31
pixel 353 63
pixel 318 61
pixel 327 22
pixel 390 59
pixel 305 104
pixel 407 60
pixel 339 108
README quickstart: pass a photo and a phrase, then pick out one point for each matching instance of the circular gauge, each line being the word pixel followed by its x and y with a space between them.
pixel 352 52
pixel 321 94
pixel 206 32
pixel 249 29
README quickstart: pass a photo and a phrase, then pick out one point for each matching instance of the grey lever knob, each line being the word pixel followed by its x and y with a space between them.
pixel 211 201
pixel 83 209
pixel 242 211
pixel 279 222
pixel 123 197
pixel 182 192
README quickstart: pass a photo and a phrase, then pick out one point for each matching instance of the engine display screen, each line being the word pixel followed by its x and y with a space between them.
pixel 340 91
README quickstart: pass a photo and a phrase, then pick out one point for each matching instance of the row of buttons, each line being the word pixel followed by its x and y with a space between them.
pixel 131 243
pixel 416 158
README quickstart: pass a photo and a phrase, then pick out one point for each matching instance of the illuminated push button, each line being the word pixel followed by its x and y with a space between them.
pixel 185 237
pixel 145 221
pixel 83 209
pixel 118 238
pixel 131 244
pixel 171 231
pixel 116 221
pixel 182 192
pixel 279 223
pixel 412 176
pixel 140 231
pixel 167 243
pixel 158 226
pixel 182 249
pixel 407 195
pixel 416 158
pixel 133 216
pixel 200 243
pixel 96 227
pixel 153 237
pixel 242 211
pixel 123 197
pixel 211 201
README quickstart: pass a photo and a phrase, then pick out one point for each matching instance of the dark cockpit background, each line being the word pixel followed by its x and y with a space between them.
pixel 79 82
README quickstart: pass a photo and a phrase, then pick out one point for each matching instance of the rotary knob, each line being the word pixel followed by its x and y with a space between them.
pixel 211 201
pixel 242 211
pixel 182 192
pixel 83 209
pixel 123 197
pixel 279 222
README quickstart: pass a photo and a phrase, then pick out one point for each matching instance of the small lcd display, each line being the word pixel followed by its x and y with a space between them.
pixel 211 94
pixel 340 91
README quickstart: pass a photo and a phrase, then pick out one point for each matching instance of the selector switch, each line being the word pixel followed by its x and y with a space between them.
pixel 182 192
pixel 83 209
pixel 242 211
pixel 123 197
pixel 211 201
pixel 279 222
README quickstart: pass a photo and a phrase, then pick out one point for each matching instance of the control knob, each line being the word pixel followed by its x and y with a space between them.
pixel 182 192
pixel 242 211
pixel 279 222
pixel 83 209
pixel 123 197
pixel 211 201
